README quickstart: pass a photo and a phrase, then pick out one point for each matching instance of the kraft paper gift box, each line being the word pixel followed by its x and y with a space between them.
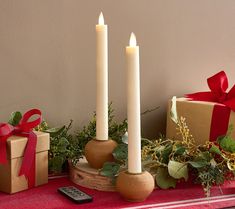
pixel 199 119
pixel 208 114
pixel 10 181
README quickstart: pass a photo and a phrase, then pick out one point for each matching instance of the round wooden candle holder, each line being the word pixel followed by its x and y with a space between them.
pixel 97 152
pixel 135 187
pixel 82 174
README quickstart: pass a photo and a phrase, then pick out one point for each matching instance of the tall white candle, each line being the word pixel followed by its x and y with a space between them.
pixel 133 107
pixel 102 80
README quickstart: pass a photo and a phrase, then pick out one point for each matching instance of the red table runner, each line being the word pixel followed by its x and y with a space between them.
pixel 184 196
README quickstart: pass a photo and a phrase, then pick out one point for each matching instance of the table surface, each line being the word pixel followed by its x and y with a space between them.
pixel 183 196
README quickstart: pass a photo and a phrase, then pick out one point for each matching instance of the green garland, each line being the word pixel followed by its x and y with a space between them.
pixel 62 146
pixel 170 160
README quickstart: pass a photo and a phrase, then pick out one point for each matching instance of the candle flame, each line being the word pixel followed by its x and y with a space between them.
pixel 132 41
pixel 101 19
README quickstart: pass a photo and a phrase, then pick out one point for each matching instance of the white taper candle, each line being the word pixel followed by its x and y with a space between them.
pixel 133 107
pixel 102 80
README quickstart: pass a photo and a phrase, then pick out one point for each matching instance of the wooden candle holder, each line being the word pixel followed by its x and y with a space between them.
pixel 135 187
pixel 82 174
pixel 97 152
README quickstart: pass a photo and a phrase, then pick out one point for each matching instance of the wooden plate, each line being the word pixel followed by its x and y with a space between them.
pixel 82 174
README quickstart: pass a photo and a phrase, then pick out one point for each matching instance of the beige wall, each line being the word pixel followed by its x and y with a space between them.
pixel 47 53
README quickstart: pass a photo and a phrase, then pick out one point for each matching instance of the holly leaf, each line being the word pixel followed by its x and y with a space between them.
pixel 215 149
pixel 198 164
pixel 201 160
pixel 164 180
pixel 15 118
pixel 110 169
pixel 179 150
pixel 178 170
pixel 120 153
pixel 227 143
pixel 166 153
pixel 55 131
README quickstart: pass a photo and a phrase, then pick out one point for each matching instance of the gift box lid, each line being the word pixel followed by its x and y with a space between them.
pixel 184 99
pixel 16 144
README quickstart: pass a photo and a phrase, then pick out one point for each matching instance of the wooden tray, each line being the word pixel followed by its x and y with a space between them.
pixel 83 175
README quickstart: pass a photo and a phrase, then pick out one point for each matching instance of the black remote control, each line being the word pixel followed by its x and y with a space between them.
pixel 75 194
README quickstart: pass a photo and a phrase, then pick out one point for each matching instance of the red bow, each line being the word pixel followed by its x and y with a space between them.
pixel 24 128
pixel 218 85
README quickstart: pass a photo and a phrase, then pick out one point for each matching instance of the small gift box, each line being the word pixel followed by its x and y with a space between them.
pixel 23 155
pixel 208 114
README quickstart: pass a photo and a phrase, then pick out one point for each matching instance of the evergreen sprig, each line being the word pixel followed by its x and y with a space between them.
pixel 62 146
pixel 88 132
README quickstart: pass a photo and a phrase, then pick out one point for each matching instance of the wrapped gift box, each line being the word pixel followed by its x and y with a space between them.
pixel 10 182
pixel 198 116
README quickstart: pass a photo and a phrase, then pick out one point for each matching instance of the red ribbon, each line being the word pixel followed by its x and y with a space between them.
pixel 24 128
pixel 218 85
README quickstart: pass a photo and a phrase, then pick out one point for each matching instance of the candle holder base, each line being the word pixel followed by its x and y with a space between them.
pixel 135 187
pixel 83 175
pixel 97 152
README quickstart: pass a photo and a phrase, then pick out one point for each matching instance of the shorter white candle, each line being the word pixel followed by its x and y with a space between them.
pixel 101 80
pixel 133 107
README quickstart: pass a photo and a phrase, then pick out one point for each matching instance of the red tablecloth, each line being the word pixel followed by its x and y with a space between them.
pixel 47 197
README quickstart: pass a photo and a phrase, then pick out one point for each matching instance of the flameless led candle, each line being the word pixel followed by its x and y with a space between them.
pixel 133 106
pixel 102 80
